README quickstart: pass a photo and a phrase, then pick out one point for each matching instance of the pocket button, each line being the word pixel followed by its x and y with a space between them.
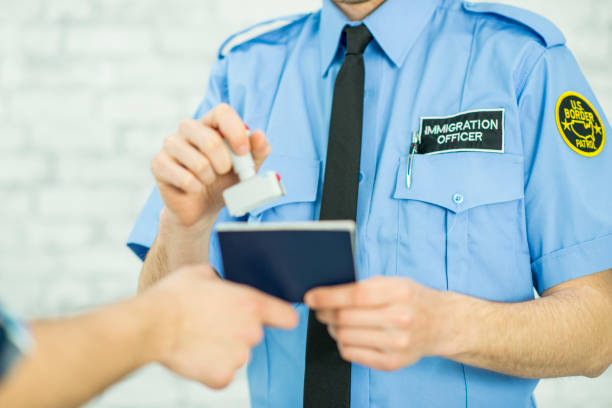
pixel 458 198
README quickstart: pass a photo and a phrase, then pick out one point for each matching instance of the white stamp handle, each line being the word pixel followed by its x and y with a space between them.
pixel 244 166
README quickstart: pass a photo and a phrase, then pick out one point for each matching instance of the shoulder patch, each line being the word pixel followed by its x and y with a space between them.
pixel 550 34
pixel 255 31
pixel 580 125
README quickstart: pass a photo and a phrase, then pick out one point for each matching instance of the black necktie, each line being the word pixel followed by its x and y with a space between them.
pixel 327 379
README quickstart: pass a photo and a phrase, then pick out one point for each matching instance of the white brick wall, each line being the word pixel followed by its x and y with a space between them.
pixel 88 89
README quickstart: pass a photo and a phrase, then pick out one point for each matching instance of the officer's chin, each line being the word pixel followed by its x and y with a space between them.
pixel 351 1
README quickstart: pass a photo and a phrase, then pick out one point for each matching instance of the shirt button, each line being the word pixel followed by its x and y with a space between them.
pixel 458 198
pixel 360 177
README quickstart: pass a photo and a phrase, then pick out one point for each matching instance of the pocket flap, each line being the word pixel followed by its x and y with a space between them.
pixel 300 177
pixel 460 181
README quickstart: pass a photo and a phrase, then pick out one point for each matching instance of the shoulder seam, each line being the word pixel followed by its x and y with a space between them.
pixel 272 25
pixel 528 74
pixel 541 26
pixel 470 61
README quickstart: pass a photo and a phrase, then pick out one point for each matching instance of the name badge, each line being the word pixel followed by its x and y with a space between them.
pixel 478 130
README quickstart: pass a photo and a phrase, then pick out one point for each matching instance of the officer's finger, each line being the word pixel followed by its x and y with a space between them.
pixel 368 357
pixel 356 317
pixel 241 356
pixel 259 146
pixel 211 144
pixel 366 294
pixel 275 312
pixel 168 171
pixel 189 157
pixel 228 123
pixel 371 338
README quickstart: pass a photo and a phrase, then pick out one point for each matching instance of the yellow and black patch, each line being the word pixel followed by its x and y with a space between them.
pixel 580 124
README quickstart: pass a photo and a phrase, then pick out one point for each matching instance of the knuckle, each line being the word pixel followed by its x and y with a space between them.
pixel 257 307
pixel 187 181
pixel 224 165
pixel 246 356
pixel 343 317
pixel 385 365
pixel 254 305
pixel 156 164
pixel 202 165
pixel 170 143
pixel 332 330
pixel 223 109
pixel 402 319
pixel 401 341
pixel 342 335
pixel 382 283
pixel 360 295
pixel 243 356
pixel 258 335
pixel 209 177
pixel 185 125
pixel 406 290
pixel 224 378
pixel 389 364
pixel 322 317
pixel 213 143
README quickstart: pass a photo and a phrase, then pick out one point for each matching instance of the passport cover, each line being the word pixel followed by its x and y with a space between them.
pixel 288 259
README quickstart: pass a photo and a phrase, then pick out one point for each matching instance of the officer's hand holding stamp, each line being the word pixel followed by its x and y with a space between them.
pixel 194 166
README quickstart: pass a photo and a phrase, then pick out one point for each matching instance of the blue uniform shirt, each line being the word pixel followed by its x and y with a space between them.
pixel 534 212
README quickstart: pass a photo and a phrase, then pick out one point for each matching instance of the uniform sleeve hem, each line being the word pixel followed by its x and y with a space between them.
pixel 15 342
pixel 573 262
pixel 139 250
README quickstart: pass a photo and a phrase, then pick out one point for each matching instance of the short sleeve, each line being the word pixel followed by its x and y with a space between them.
pixel 145 229
pixel 568 168
pixel 214 251
pixel 15 340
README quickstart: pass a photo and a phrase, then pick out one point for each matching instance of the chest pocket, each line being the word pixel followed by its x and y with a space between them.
pixel 300 177
pixel 460 221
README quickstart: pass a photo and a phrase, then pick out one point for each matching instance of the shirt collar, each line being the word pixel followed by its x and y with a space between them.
pixel 395 26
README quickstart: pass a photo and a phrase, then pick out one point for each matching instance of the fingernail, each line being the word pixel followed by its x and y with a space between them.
pixel 242 149
pixel 308 299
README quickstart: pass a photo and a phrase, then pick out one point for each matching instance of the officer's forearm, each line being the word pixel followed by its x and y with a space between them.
pixel 175 246
pixel 567 332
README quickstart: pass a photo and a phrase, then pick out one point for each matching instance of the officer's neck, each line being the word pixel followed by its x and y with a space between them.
pixel 356 10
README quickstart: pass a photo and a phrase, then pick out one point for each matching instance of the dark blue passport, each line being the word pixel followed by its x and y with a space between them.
pixel 286 260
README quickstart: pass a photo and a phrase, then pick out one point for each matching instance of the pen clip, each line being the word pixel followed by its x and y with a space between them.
pixel 413 148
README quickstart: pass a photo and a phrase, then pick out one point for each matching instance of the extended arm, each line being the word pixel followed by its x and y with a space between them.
pixel 390 323
pixel 75 359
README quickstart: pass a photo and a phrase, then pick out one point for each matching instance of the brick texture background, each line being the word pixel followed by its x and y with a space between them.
pixel 88 89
